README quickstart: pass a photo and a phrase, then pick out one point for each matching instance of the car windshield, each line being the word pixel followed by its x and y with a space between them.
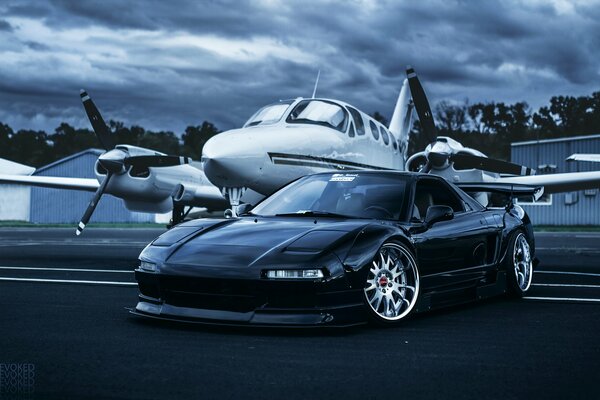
pixel 268 114
pixel 352 195
pixel 319 112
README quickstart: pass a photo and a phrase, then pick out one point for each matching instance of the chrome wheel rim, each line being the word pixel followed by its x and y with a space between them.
pixel 522 263
pixel 392 285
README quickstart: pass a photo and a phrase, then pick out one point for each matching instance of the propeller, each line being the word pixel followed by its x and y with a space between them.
pixel 104 135
pixel 93 203
pixel 469 161
pixel 116 160
pixel 421 105
pixel 460 160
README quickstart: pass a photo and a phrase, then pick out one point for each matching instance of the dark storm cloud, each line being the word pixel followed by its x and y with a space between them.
pixel 165 65
pixel 5 26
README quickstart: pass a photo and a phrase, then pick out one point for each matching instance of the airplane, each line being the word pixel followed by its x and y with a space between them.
pixel 146 180
pixel 292 138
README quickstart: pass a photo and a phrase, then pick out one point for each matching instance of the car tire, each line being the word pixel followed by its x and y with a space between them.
pixel 391 287
pixel 519 265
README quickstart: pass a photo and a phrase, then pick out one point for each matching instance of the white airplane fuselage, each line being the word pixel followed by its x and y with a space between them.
pixel 266 156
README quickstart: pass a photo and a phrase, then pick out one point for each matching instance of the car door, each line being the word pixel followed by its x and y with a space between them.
pixel 453 251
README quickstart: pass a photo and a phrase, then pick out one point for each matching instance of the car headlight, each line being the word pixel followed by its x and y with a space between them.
pixel 148 266
pixel 294 274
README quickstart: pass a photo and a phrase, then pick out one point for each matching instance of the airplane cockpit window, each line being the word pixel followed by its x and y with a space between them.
pixel 269 114
pixel 384 135
pixel 351 131
pixel 374 130
pixel 360 125
pixel 319 112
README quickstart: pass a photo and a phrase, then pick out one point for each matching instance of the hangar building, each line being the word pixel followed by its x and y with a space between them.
pixel 68 206
pixel 14 199
pixel 548 157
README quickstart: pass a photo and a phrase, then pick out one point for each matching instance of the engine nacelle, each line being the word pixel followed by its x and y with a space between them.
pixel 416 162
pixel 199 196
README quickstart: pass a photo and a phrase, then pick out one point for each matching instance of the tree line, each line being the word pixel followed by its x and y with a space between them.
pixel 488 127
pixel 38 148
pixel 491 127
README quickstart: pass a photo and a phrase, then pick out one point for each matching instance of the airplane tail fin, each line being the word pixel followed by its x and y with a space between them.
pixel 401 122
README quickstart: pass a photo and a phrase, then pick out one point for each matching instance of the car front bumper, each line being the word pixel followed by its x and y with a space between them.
pixel 249 302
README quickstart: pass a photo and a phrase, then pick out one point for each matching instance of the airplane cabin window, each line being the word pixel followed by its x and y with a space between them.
pixel 269 114
pixel 360 125
pixel 374 130
pixel 319 112
pixel 384 135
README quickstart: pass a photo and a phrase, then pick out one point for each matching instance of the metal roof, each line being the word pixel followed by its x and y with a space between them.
pixel 563 139
pixel 96 152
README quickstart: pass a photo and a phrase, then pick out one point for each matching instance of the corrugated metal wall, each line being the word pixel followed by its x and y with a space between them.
pixel 68 206
pixel 586 208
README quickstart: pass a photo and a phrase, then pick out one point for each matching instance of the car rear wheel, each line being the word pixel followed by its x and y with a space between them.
pixel 519 265
pixel 392 285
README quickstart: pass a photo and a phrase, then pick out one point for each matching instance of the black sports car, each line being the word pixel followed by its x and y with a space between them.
pixel 339 249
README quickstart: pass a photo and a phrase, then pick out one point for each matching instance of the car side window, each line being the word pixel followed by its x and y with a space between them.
pixel 431 192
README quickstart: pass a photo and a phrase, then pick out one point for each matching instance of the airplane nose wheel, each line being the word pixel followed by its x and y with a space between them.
pixel 234 196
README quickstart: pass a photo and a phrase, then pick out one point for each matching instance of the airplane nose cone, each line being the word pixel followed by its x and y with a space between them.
pixel 233 160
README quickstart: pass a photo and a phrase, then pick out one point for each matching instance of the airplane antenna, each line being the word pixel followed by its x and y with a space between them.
pixel 316 84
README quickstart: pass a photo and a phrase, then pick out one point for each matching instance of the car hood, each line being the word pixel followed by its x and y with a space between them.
pixel 249 242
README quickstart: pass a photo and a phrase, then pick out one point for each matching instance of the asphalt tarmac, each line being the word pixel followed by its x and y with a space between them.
pixel 63 316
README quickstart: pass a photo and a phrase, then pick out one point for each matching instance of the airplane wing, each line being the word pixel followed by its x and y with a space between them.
pixel 584 157
pixel 89 185
pixel 556 183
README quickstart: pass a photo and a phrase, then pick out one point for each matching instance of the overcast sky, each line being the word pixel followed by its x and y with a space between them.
pixel 168 64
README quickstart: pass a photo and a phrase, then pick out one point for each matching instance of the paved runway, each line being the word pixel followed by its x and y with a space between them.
pixel 62 309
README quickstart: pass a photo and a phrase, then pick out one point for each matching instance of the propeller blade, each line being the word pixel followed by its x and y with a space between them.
pixel 156 161
pixel 104 135
pixel 92 206
pixel 421 105
pixel 468 161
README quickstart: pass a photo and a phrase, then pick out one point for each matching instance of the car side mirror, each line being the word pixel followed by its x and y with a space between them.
pixel 437 214
pixel 244 208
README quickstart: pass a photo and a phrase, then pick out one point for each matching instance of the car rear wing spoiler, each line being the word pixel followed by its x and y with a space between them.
pixel 509 189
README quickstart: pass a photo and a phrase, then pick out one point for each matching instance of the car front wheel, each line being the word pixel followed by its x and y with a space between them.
pixel 392 285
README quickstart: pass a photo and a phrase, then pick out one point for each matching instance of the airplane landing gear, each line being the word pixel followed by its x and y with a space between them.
pixel 233 195
pixel 178 215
